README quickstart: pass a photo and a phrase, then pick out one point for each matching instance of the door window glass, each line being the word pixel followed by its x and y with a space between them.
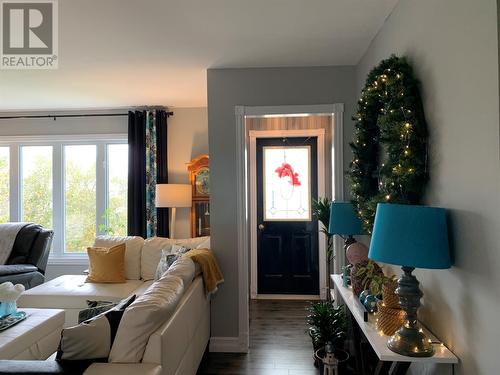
pixel 287 183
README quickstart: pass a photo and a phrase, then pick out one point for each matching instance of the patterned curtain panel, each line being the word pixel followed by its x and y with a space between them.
pixel 147 138
pixel 151 168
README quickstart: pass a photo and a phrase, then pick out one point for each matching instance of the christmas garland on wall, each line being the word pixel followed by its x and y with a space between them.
pixel 390 142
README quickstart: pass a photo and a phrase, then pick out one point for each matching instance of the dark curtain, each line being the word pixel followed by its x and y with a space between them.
pixel 162 216
pixel 136 209
pixel 137 214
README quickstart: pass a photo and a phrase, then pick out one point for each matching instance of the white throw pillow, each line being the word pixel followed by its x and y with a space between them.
pixel 148 312
pixel 133 249
pixel 184 268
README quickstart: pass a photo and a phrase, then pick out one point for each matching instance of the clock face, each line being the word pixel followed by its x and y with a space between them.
pixel 202 181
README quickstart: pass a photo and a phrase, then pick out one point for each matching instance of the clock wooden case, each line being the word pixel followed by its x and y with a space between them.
pixel 199 177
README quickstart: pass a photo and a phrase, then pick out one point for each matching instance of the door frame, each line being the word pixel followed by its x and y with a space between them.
pixel 253 135
pixel 242 204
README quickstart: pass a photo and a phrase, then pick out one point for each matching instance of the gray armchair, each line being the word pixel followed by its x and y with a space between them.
pixel 28 260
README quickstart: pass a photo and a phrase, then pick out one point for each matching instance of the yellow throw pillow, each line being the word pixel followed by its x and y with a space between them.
pixel 106 265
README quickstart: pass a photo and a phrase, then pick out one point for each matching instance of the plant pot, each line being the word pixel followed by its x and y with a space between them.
pixel 341 355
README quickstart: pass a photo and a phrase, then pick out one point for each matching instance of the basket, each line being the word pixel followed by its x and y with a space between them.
pixel 389 320
pixel 389 295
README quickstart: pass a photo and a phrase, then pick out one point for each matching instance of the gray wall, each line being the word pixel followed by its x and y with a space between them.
pixel 187 138
pixel 453 47
pixel 228 88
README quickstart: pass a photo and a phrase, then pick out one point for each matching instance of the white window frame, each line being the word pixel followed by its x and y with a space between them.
pixel 58 254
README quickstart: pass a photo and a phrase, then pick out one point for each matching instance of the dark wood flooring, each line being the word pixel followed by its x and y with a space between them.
pixel 279 344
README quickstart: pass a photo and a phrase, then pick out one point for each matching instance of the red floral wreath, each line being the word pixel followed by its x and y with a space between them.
pixel 286 170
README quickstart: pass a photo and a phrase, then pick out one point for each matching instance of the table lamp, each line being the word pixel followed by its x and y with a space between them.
pixel 173 196
pixel 411 237
pixel 344 222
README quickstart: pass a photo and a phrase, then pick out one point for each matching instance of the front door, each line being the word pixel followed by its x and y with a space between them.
pixel 287 240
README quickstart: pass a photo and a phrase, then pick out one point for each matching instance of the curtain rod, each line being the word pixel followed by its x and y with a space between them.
pixel 70 115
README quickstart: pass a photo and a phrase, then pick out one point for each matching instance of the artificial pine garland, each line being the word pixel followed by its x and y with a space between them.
pixel 390 142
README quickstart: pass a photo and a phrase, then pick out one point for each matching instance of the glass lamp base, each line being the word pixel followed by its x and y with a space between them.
pixel 410 342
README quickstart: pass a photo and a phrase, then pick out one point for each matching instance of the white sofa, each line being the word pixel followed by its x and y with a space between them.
pixel 177 346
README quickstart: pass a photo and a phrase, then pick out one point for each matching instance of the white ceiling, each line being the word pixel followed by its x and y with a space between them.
pixel 119 53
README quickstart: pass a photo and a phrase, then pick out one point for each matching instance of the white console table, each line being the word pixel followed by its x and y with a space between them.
pixel 389 362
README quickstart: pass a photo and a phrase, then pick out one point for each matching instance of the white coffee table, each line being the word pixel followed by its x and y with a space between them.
pixel 35 338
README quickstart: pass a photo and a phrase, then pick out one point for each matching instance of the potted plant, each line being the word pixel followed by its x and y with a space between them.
pixel 327 324
pixel 321 212
pixel 363 274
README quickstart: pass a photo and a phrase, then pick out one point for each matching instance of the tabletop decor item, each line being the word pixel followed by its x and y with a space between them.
pixel 344 222
pixel 362 274
pixel 9 320
pixel 412 237
pixel 390 144
pixel 9 293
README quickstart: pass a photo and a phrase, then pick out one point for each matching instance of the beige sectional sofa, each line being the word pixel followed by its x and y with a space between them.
pixel 178 345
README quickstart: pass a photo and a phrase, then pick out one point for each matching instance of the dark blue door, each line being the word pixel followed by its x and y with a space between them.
pixel 287 246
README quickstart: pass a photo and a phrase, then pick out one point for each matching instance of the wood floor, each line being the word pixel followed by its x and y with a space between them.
pixel 279 344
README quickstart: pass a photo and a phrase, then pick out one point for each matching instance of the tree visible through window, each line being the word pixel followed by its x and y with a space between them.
pixel 116 213
pixel 79 196
pixel 36 172
pixel 4 184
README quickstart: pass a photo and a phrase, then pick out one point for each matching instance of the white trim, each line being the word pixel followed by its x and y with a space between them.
pixel 289 297
pixel 241 173
pixel 242 228
pixel 67 138
pixel 252 188
pixel 227 345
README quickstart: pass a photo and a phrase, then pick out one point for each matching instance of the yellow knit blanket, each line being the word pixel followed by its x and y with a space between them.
pixel 212 276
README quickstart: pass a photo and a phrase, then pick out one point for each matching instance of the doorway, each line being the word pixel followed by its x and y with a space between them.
pixel 287 233
pixel 246 176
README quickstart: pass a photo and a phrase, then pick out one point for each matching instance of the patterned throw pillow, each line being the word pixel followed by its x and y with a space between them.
pixel 94 308
pixel 93 338
pixel 167 259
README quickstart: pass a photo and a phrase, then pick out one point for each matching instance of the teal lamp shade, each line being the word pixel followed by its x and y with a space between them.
pixel 411 236
pixel 343 220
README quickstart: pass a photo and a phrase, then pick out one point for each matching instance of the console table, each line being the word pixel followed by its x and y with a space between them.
pixel 388 362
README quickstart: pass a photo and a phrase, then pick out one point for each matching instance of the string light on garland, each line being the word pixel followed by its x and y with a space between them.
pixel 390 127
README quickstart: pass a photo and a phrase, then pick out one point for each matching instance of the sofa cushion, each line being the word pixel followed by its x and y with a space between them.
pixel 72 292
pixel 183 268
pixel 106 265
pixel 14 269
pixel 152 251
pixel 133 248
pixel 92 339
pixel 143 317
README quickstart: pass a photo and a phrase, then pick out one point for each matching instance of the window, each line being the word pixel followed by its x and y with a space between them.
pixel 36 185
pixel 287 183
pixel 4 184
pixel 76 185
pixel 116 214
pixel 79 197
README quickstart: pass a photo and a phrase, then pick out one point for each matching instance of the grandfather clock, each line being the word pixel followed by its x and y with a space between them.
pixel 199 177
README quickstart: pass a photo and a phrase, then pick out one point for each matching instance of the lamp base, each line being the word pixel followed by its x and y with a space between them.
pixel 409 340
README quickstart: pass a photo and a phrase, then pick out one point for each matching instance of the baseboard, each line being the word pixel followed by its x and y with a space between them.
pixel 227 345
